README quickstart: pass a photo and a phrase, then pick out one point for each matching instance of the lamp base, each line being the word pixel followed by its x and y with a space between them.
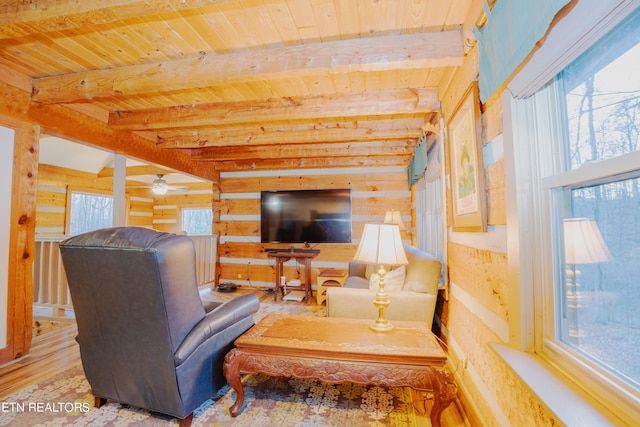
pixel 381 326
pixel 381 302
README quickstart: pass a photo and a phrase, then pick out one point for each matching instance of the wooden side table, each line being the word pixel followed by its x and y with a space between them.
pixel 328 278
pixel 284 256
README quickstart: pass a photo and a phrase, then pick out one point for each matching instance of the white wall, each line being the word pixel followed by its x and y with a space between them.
pixel 6 176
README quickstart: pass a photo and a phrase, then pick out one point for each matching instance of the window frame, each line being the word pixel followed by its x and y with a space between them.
pixel 534 178
pixel 185 208
pixel 91 192
pixel 430 208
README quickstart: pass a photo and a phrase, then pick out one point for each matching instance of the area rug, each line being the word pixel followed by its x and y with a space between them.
pixel 66 400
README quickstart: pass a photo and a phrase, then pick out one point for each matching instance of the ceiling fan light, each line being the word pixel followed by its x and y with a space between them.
pixel 159 186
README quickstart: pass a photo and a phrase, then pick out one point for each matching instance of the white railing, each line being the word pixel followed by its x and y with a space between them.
pixel 50 288
pixel 206 250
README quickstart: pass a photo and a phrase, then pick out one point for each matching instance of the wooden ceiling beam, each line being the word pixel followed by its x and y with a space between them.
pixel 28 18
pixel 405 51
pixel 386 129
pixel 323 150
pixel 108 172
pixel 310 108
pixel 310 163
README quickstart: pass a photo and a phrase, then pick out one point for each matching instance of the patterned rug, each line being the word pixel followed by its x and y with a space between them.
pixel 66 400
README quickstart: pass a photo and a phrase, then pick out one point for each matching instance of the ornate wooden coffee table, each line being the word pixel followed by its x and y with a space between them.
pixel 337 350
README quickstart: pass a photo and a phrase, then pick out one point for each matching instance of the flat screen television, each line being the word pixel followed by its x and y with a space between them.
pixel 305 216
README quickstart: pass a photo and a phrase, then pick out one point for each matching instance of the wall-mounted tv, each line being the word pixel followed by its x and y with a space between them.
pixel 305 216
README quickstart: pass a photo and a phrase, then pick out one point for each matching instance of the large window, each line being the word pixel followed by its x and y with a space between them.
pixel 598 293
pixel 579 139
pixel 197 221
pixel 89 212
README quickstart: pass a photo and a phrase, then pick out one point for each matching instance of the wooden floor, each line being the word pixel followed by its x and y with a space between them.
pixel 57 350
pixel 50 353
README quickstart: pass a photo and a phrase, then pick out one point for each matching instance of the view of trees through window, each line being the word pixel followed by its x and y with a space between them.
pixel 600 309
pixel 89 212
pixel 197 221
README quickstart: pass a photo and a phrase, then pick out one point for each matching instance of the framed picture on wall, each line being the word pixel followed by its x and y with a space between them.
pixel 467 167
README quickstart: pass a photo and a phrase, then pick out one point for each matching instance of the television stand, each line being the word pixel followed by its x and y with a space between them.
pixel 284 255
pixel 292 250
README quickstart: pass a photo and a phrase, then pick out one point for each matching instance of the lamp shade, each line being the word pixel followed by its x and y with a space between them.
pixel 583 243
pixel 394 217
pixel 381 244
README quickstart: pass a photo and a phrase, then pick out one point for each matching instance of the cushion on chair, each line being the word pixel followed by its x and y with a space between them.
pixel 393 280
pixel 423 271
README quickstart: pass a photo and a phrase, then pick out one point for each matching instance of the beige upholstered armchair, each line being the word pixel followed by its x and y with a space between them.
pixel 145 337
pixel 413 298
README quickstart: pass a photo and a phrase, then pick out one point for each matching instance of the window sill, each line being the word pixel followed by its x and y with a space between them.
pixel 570 406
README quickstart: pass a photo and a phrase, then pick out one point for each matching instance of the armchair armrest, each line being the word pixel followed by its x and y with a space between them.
pixel 216 321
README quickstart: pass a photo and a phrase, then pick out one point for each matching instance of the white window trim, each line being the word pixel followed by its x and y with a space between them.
pixel 195 207
pixel 530 177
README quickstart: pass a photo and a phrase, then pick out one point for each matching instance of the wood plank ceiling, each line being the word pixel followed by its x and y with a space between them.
pixel 247 84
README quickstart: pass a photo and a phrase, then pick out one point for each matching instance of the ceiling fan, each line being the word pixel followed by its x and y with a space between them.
pixel 160 186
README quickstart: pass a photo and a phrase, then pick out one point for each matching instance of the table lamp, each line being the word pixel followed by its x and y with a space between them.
pixel 583 244
pixel 394 217
pixel 381 244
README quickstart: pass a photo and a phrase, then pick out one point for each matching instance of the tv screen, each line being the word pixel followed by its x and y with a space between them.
pixel 305 216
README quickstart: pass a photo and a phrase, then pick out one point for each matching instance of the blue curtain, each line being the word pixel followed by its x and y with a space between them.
pixel 513 28
pixel 419 162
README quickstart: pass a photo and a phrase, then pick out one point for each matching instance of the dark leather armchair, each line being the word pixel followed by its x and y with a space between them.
pixel 145 337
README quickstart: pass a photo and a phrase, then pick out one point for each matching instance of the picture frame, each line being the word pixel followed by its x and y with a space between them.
pixel 468 199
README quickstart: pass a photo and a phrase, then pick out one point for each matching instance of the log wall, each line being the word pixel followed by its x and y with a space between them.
pixel 144 209
pixel 476 313
pixel 243 259
pixel 166 209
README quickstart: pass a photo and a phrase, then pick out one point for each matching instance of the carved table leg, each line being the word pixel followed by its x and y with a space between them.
pixel 231 369
pixel 444 391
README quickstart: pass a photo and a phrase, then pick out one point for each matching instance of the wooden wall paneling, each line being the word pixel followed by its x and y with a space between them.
pixel 54 186
pixel 357 182
pixel 51 196
pixel 492 118
pixel 496 195
pixel 492 128
pixel 165 216
pixel 482 274
pixel 240 206
pixel 169 227
pixel 140 204
pixel 374 207
pixel 187 199
pixel 236 227
pixel 139 221
pixel 50 222
pixel 50 208
pixel 139 211
pixel 374 191
pixel 53 183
